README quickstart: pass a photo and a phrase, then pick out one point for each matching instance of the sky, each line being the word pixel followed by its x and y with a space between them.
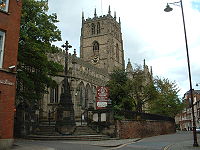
pixel 148 33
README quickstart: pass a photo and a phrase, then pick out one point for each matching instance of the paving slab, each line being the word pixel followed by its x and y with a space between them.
pixel 32 147
pixel 106 143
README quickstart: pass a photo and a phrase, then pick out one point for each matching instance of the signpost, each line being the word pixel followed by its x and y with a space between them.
pixel 102 98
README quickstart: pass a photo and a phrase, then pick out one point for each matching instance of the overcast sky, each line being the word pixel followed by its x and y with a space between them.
pixel 148 33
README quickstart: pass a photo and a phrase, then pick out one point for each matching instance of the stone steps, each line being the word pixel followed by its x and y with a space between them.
pixel 46 129
pixel 84 130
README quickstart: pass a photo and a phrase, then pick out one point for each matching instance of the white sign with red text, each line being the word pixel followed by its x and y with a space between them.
pixel 102 97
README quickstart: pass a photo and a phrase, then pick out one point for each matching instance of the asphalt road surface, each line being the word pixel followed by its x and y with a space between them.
pixel 161 142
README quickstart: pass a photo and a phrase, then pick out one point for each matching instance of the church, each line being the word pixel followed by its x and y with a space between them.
pixel 101 51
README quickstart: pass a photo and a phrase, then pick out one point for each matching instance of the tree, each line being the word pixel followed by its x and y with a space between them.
pixel 130 93
pixel 142 93
pixel 142 90
pixel 37 32
pixel 167 102
pixel 119 90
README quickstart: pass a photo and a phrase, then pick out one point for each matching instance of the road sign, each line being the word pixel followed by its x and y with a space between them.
pixel 102 91
pixel 102 97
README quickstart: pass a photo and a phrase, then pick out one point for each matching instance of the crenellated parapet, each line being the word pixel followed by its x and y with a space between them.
pixel 96 17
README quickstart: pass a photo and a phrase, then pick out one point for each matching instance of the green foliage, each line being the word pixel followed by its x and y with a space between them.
pixel 129 94
pixel 167 101
pixel 119 91
pixel 142 93
pixel 37 32
pixel 141 89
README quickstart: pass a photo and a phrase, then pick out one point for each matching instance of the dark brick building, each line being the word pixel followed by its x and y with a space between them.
pixel 10 12
pixel 184 119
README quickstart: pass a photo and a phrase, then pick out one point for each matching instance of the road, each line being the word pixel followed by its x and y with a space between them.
pixel 161 142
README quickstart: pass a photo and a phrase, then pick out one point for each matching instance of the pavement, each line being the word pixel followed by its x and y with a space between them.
pixel 186 145
pixel 108 143
pixel 20 144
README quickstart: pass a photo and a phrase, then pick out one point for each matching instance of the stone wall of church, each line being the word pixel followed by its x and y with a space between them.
pixel 83 79
pixel 101 51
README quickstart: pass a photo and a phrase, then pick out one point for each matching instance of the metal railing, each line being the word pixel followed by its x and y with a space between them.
pixel 132 115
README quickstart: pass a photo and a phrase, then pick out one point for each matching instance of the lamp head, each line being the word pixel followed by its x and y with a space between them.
pixel 168 8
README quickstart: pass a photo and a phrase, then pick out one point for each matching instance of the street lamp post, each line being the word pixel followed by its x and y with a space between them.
pixel 168 9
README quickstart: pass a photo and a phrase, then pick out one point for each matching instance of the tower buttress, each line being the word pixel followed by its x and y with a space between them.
pixel 95 13
pixel 115 15
pixel 151 71
pixel 109 12
pixel 82 17
pixel 129 69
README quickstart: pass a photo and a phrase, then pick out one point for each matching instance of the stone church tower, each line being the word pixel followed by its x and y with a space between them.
pixel 101 42
pixel 101 51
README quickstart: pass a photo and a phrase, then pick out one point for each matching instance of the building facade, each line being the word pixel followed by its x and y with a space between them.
pixel 184 119
pixel 10 12
pixel 101 51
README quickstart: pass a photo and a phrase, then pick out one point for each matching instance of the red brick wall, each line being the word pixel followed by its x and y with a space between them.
pixel 139 129
pixel 7 99
pixel 10 24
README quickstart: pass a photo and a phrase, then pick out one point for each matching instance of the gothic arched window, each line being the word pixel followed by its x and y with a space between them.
pixel 98 28
pixel 87 95
pixel 54 95
pixel 117 52
pixel 96 48
pixel 82 95
pixel 93 28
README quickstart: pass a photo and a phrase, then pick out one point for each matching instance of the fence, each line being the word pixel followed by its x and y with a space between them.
pixel 132 115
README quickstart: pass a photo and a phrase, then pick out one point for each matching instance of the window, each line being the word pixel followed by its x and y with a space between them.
pixel 82 95
pixel 54 95
pixel 2 39
pixel 96 48
pixel 93 28
pixel 4 5
pixel 117 52
pixel 98 28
